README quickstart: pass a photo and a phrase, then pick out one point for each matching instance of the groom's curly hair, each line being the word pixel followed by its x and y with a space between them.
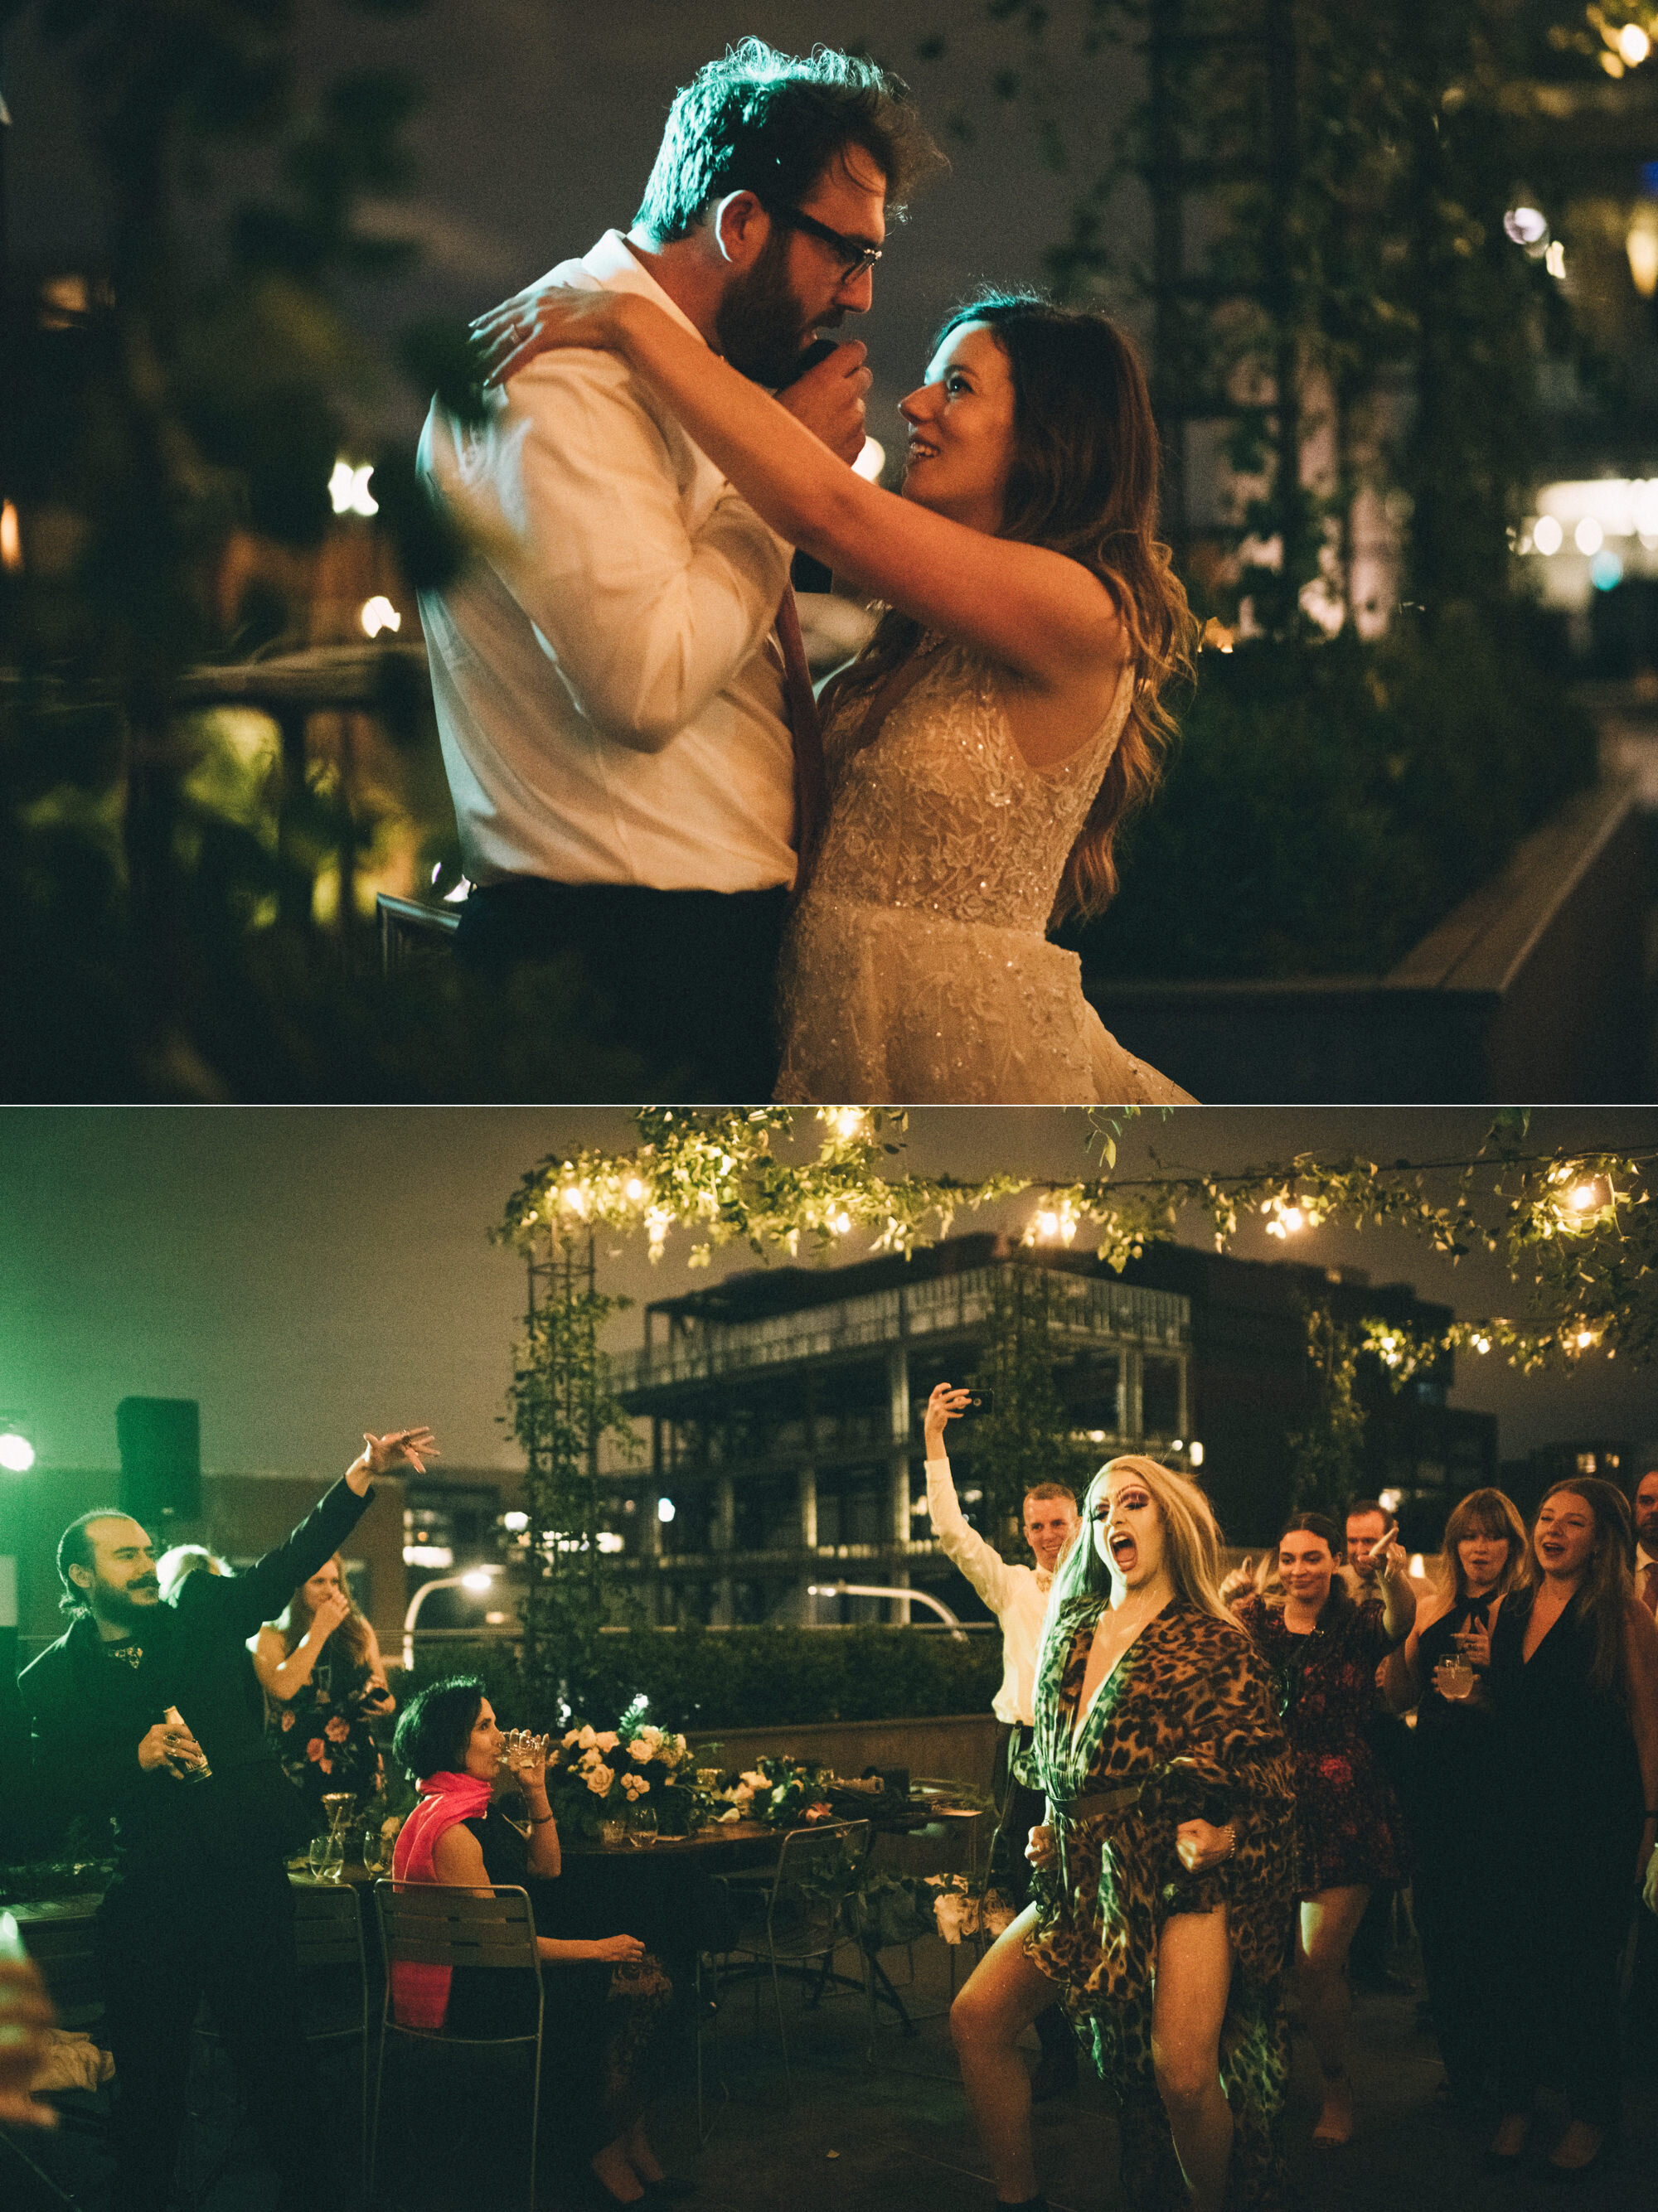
pixel 1082 482
pixel 771 124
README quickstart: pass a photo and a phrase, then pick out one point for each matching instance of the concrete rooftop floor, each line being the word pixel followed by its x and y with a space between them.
pixel 860 2138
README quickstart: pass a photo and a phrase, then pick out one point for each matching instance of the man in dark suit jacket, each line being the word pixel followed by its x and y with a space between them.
pixel 142 1711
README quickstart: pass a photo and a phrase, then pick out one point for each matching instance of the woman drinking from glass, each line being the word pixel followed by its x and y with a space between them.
pixel 1349 1836
pixel 1453 1835
pixel 601 2018
pixel 1573 1683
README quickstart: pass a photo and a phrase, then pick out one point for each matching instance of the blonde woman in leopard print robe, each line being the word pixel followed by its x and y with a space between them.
pixel 1166 1893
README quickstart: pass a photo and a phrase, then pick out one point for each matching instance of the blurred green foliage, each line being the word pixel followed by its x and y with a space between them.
pixel 699 1678
pixel 1327 804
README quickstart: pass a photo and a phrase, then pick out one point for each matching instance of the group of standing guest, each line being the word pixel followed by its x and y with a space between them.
pixel 1220 1806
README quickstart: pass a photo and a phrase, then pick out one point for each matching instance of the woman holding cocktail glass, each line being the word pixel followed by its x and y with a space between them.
pixel 1441 1671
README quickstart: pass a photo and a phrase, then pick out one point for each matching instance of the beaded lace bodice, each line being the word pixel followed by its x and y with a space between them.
pixel 940 814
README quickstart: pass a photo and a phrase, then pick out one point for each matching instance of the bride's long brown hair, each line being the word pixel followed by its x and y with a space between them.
pixel 1083 482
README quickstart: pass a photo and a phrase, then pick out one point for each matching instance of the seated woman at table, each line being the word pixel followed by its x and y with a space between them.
pixel 604 2002
pixel 320 1667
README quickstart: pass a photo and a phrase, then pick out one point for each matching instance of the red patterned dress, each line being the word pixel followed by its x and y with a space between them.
pixel 1348 1828
pixel 1189 1718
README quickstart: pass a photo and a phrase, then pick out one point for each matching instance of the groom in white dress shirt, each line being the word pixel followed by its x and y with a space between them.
pixel 613 695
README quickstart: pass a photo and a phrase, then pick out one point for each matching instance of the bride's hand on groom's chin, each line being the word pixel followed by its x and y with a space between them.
pixel 540 318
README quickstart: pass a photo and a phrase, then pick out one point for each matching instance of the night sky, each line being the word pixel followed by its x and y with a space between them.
pixel 307 1273
pixel 542 118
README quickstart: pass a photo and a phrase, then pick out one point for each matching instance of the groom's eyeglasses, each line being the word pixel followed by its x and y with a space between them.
pixel 856 255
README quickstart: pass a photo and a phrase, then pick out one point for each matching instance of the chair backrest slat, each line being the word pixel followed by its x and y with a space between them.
pixel 426 1924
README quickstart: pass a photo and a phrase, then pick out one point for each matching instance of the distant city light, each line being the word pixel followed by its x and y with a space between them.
pixel 1390 1500
pixel 477 1582
pixel 1606 571
pixel 1633 45
pixel 378 614
pixel 348 488
pixel 1195 1454
pixel 1525 226
pixel 610 1541
pixel 1555 261
pixel 1642 246
pixel 1547 535
pixel 1589 536
pixel 428 1555
pixel 664 1510
pixel 11 540
pixel 515 1522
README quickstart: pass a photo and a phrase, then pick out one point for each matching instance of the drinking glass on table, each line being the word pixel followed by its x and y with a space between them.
pixel 377 1850
pixel 326 1858
pixel 642 1826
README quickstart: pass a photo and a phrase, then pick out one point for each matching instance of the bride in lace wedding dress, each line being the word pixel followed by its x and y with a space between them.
pixel 982 751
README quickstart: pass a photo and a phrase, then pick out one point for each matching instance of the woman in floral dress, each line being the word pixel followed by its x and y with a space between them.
pixel 1165 1892
pixel 1326 1650
pixel 320 1669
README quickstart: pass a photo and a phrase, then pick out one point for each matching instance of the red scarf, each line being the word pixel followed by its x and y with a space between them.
pixel 420 1995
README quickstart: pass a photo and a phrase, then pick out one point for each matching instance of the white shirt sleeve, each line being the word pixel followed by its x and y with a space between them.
pixel 646 614
pixel 981 1563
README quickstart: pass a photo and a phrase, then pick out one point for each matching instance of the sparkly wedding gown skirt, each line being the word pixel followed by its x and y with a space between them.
pixel 917 966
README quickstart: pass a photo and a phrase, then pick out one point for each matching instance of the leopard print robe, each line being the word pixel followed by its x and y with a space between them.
pixel 1191 1712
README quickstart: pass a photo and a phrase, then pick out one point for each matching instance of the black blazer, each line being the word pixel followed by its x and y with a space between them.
pixel 87 1714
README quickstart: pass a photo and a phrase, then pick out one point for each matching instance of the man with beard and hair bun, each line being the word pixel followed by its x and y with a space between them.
pixel 146 1711
pixel 621 696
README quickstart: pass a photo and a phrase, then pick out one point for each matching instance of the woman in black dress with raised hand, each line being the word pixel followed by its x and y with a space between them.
pixel 1574 1685
pixel 1349 1836
pixel 1453 1829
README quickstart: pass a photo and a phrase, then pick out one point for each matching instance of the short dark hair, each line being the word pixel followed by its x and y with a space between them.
pixel 771 124
pixel 1366 1505
pixel 433 1728
pixel 74 1550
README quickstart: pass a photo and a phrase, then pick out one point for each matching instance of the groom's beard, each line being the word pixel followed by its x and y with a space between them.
pixel 759 323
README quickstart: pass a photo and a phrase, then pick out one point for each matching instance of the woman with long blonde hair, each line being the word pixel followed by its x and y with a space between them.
pixel 1007 717
pixel 1573 1686
pixel 1165 1866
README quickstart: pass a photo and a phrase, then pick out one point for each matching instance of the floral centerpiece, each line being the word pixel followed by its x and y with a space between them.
pixel 595 1774
pixel 782 1793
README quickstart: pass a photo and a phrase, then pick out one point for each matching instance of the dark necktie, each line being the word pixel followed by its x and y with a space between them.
pixel 1649 1590
pixel 807 733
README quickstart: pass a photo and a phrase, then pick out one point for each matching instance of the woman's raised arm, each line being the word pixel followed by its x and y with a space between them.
pixel 1035 611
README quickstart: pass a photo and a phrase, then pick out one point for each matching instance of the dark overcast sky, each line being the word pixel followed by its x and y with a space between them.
pixel 543 115
pixel 305 1273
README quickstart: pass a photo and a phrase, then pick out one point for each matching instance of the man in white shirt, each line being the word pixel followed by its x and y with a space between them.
pixel 1017 1597
pixel 613 699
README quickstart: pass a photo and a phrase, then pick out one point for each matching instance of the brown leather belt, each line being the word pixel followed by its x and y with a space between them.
pixel 1073 1814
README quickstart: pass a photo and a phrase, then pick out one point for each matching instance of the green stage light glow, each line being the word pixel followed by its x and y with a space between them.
pixel 16 1453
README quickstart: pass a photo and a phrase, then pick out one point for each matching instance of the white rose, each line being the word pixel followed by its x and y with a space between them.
pixel 600 1780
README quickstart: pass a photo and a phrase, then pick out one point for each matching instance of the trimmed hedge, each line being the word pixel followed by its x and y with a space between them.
pixel 1327 804
pixel 700 1678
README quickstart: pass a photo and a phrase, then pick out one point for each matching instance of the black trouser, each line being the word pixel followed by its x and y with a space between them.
pixel 1462 1937
pixel 1019 1810
pixel 684 980
pixel 167 1937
